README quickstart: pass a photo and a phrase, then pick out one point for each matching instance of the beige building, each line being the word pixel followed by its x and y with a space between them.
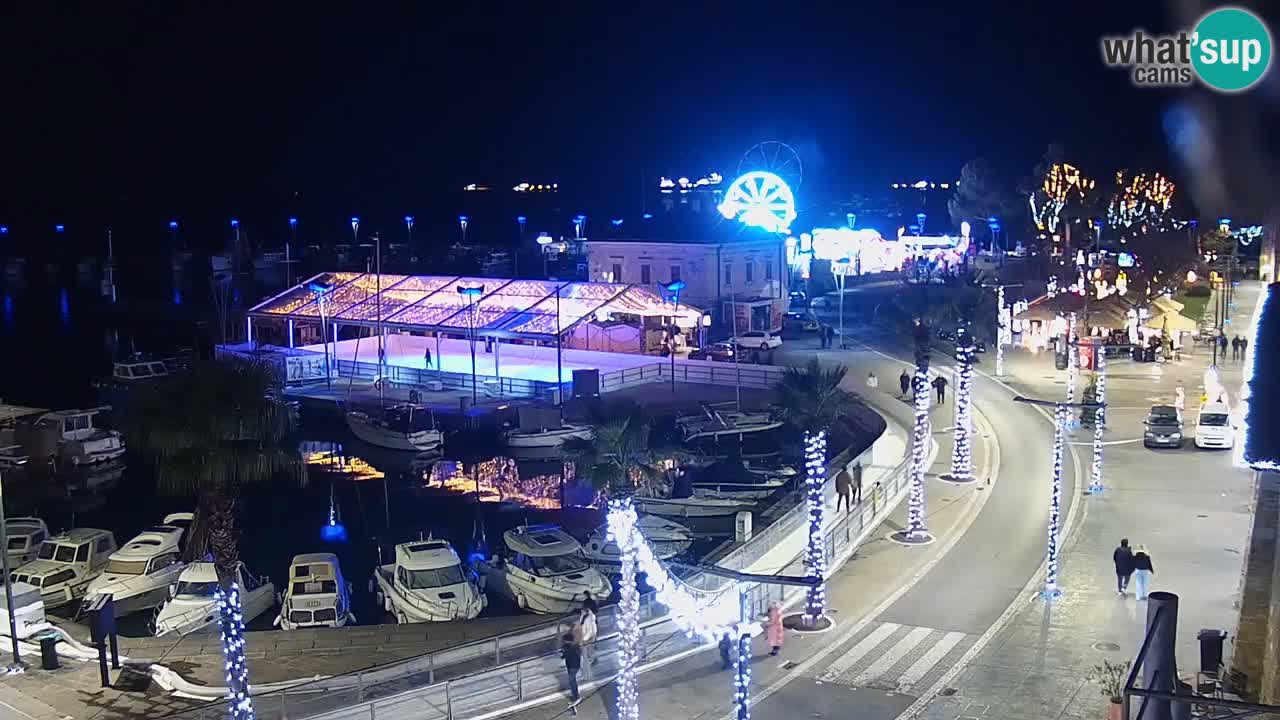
pixel 746 277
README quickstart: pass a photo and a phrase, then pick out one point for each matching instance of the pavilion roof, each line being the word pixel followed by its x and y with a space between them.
pixel 509 308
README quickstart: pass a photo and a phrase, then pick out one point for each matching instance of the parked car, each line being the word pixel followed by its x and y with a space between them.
pixel 1214 428
pixel 758 340
pixel 721 351
pixel 798 299
pixel 1164 427
pixel 796 323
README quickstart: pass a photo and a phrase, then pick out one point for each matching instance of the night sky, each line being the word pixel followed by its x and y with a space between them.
pixel 261 112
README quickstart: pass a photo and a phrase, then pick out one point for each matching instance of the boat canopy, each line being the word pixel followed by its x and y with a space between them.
pixel 503 307
pixel 540 541
pixel 426 555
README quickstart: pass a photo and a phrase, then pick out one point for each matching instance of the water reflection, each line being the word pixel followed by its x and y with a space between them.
pixel 499 480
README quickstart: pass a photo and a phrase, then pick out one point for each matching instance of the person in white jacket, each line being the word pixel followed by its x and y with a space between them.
pixel 584 634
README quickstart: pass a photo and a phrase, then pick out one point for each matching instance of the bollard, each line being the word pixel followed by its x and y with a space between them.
pixel 1159 668
pixel 519 682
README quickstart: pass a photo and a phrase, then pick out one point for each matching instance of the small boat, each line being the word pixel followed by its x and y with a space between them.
pixel 28 611
pixel 138 575
pixel 66 564
pixel 80 442
pixel 715 423
pixel 757 490
pixel 25 535
pixel 317 595
pixel 547 437
pixel 191 605
pixel 397 427
pixel 428 583
pixel 692 507
pixel 545 571
pixel 666 538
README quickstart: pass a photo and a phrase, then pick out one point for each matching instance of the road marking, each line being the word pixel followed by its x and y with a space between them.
pixel 1108 442
pixel 921 667
pixel 866 645
pixel 896 653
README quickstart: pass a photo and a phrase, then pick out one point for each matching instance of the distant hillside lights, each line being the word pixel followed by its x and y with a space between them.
pixel 684 185
pixel 532 187
pixel 925 185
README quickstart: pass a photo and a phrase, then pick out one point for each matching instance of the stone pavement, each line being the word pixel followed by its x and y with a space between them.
pixel 1191 509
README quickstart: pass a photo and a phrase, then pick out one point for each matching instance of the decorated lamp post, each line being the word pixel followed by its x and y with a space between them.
pixel 840 269
pixel 1071 359
pixel 1001 328
pixel 1061 412
pixel 674 289
pixel 470 294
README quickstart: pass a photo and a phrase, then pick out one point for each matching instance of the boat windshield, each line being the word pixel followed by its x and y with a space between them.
pixel 125 567
pixel 558 564
pixel 57 553
pixel 17 543
pixel 438 577
pixel 197 589
pixel 315 587
pixel 1214 419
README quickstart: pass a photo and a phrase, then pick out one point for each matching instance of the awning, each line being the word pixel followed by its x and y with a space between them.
pixel 1172 322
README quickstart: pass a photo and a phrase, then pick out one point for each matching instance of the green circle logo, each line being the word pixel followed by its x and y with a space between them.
pixel 1231 49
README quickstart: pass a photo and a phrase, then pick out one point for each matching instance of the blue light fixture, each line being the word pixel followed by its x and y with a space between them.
pixel 293 222
pixel 462 218
pixel 4 229
pixel 235 223
pixel 173 224
pixel 647 216
pixel 617 222
pixel 522 219
pixel 59 228
pixel 408 220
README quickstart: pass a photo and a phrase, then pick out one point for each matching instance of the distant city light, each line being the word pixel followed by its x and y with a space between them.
pixel 59 228
pixel 545 239
pixel 173 224
pixel 293 222
pixel 617 222
pixel 235 222
pixel 647 216
pixel 534 187
pixel 4 229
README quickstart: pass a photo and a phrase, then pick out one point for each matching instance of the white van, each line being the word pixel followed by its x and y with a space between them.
pixel 1214 428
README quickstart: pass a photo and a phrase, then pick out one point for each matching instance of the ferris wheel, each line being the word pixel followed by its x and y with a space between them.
pixel 762 195
pixel 774 157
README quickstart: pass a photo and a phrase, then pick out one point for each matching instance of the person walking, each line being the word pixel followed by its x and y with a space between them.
pixel 1235 347
pixel 773 628
pixel 844 489
pixel 876 494
pixel 904 382
pixel 831 336
pixel 572 664
pixel 426 358
pixel 726 644
pixel 1123 559
pixel 1180 399
pixel 1143 571
pixel 940 384
pixel 584 634
pixel 873 382
pixel 857 483
pixel 1222 345
pixel 1244 346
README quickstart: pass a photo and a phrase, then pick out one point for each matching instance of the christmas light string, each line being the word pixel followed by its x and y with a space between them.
pixel 1071 359
pixel 1055 504
pixel 231 623
pixel 628 611
pixel 1099 420
pixel 815 461
pixel 916 530
pixel 962 450
pixel 1002 327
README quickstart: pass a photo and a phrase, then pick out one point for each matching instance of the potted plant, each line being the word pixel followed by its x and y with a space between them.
pixel 1111 677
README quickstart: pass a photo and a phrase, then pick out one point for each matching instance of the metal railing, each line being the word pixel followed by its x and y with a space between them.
pixel 693 371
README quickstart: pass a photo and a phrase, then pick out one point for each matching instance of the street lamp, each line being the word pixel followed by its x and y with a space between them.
pixel 674 287
pixel 8 585
pixel 320 291
pixel 472 293
pixel 288 250
pixel 462 223
pixel 408 224
pixel 579 225
pixel 544 240
pixel 355 229
pixel 993 224
pixel 840 269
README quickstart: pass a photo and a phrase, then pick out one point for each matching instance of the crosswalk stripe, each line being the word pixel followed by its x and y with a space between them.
pixel 926 662
pixel 894 654
pixel 866 645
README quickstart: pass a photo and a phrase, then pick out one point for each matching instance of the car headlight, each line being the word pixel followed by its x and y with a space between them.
pixel 1150 434
pixel 1177 436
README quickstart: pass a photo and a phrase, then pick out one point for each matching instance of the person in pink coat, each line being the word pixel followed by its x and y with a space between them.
pixel 773 628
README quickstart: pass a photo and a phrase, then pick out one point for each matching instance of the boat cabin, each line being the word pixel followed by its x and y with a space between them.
pixel 138 370
pixel 544 550
pixel 67 563
pixel 317 593
pixel 25 535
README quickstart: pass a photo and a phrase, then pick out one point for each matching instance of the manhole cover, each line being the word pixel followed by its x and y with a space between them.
pixel 788 665
pixel 1202 516
pixel 1106 646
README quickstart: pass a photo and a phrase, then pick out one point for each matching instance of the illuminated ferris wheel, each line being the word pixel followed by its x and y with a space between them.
pixel 762 195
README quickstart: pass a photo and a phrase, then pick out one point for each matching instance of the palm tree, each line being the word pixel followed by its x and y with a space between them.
pixel 626 453
pixel 811 398
pixel 210 432
pixel 966 303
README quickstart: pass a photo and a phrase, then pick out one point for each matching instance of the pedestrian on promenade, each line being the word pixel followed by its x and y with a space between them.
pixel 904 382
pixel 1244 345
pixel 426 358
pixel 773 628
pixel 589 603
pixel 857 483
pixel 1143 571
pixel 572 664
pixel 1123 559
pixel 844 489
pixel 940 384
pixel 584 634
pixel 1222 345
pixel 1180 398
pixel 726 645
pixel 1235 347
pixel 875 498
pixel 873 382
pixel 831 336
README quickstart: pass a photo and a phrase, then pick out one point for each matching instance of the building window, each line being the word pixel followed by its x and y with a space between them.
pixel 617 273
pixel 675 273
pixel 749 275
pixel 728 274
pixel 644 275
pixel 768 269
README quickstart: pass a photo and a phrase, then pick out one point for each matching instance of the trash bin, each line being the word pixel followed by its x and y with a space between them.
pixel 1210 649
pixel 49 653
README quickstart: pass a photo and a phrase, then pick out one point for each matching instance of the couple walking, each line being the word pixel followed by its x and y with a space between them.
pixel 1136 564
pixel 577 645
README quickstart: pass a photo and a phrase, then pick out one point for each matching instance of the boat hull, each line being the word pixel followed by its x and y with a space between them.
pixel 547 439
pixel 689 507
pixel 419 441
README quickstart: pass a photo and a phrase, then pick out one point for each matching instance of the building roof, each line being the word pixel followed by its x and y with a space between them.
pixel 505 308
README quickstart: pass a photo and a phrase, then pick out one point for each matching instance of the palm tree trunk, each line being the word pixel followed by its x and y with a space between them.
pixel 226 560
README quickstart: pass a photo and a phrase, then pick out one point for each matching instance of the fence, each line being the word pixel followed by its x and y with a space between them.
pixel 478 679
pixel 693 371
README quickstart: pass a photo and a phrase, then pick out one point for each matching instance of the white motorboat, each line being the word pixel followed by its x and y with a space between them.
pixel 547 437
pixel 66 564
pixel 746 490
pixel 692 507
pixel 544 571
pixel 715 423
pixel 317 595
pixel 397 427
pixel 80 443
pixel 139 574
pixel 28 611
pixel 192 607
pixel 666 538
pixel 25 535
pixel 428 583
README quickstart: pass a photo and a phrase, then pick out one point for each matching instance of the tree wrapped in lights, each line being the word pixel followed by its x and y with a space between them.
pixel 1141 198
pixel 231 624
pixel 815 557
pixel 916 532
pixel 1071 359
pixel 1061 183
pixel 1002 331
pixel 1099 420
pixel 623 531
pixel 1051 589
pixel 742 663
pixel 962 447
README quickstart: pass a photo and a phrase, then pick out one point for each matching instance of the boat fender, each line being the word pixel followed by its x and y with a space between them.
pixel 521 602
